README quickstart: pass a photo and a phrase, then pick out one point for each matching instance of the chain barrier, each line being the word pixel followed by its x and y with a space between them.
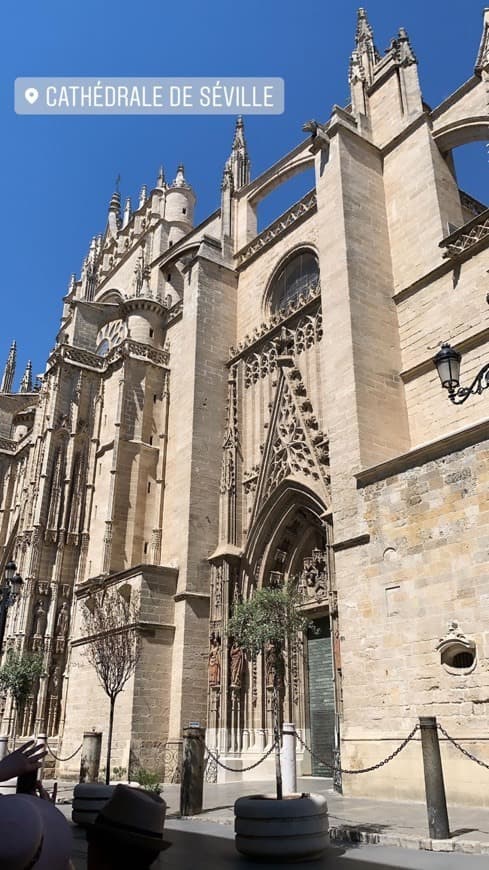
pixel 361 769
pixel 240 769
pixel 313 754
pixel 342 770
pixel 461 748
pixel 57 758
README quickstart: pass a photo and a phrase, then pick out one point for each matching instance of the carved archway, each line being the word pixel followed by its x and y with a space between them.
pixel 290 538
pixel 292 506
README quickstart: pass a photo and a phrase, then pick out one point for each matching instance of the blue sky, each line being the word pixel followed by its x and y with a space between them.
pixel 58 173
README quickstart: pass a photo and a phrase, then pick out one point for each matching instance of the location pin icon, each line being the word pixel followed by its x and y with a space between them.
pixel 31 95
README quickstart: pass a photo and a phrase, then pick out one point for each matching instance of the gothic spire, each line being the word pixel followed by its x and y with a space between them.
pixel 89 271
pixel 239 160
pixel 127 212
pixel 160 181
pixel 180 180
pixel 143 195
pixel 405 53
pixel 356 71
pixel 9 370
pixel 227 177
pixel 114 216
pixel 364 28
pixel 365 45
pixel 26 382
pixel 482 62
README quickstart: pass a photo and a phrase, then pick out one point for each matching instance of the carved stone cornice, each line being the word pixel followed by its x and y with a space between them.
pixel 147 302
pixel 428 452
pixel 7 445
pixel 468 237
pixel 87 359
pixel 271 328
pixel 291 218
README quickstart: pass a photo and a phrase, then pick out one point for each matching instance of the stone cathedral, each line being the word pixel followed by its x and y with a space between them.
pixel 226 408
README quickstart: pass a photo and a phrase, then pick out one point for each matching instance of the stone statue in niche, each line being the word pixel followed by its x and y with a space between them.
pixel 314 577
pixel 273 665
pixel 237 665
pixel 40 619
pixel 55 680
pixel 62 620
pixel 215 660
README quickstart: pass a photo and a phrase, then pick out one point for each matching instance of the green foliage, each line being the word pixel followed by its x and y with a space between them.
pixel 149 781
pixel 270 620
pixel 19 674
pixel 119 773
pixel 271 615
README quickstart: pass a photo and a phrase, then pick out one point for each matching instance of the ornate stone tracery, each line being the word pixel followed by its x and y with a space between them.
pixel 294 446
pixel 263 361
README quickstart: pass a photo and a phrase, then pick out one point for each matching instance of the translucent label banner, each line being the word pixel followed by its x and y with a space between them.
pixel 149 96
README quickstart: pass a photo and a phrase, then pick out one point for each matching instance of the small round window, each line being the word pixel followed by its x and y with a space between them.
pixel 463 660
pixel 458 659
pixel 298 275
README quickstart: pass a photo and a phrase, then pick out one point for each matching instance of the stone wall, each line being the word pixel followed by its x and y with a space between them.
pixel 426 565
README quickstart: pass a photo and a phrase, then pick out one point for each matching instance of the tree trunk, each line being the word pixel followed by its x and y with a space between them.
pixel 276 734
pixel 14 724
pixel 109 740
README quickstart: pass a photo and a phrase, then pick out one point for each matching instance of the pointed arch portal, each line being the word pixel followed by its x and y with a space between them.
pixel 290 538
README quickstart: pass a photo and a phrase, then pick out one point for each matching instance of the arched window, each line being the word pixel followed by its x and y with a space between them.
pixel 103 347
pixel 299 274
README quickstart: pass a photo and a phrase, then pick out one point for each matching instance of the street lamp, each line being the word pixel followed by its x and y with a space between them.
pixel 9 593
pixel 447 362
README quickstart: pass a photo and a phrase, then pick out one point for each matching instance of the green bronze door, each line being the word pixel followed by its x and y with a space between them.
pixel 321 697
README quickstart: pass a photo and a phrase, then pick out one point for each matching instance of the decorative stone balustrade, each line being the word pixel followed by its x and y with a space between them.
pixel 300 210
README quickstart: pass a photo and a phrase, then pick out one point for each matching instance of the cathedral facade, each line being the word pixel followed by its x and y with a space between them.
pixel 225 409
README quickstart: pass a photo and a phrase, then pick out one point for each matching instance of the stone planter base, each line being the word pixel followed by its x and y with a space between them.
pixel 285 831
pixel 88 800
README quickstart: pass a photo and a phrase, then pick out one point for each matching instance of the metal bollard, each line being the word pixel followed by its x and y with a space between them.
pixel 192 787
pixel 436 802
pixel 289 761
pixel 90 756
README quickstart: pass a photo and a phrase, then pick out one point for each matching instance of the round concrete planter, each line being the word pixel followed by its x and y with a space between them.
pixel 88 800
pixel 292 829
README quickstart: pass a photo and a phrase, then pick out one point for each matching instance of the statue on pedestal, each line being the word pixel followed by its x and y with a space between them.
pixel 214 665
pixel 40 619
pixel 62 620
pixel 237 665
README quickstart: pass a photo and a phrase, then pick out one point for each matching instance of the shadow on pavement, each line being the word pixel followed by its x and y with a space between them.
pixel 460 831
pixel 213 849
pixel 204 812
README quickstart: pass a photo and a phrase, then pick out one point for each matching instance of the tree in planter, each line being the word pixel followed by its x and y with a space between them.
pixel 113 646
pixel 270 622
pixel 18 676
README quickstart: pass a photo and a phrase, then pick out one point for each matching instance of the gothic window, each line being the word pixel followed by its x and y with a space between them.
pixel 110 336
pixel 298 275
pixel 103 347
